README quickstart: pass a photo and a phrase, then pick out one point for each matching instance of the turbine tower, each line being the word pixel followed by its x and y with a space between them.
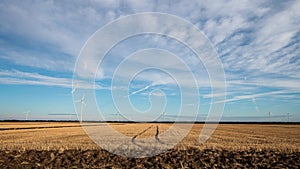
pixel 118 114
pixel 164 113
pixel 270 116
pixel 26 114
pixel 288 117
pixel 82 102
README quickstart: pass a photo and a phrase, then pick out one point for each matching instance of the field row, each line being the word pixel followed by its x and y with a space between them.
pixel 226 136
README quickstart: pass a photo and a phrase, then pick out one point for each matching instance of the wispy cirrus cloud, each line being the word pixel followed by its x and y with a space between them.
pixel 266 43
pixel 256 95
pixel 257 41
pixel 249 35
pixel 51 30
pixel 16 77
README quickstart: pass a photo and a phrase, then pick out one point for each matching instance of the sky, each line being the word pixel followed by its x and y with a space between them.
pixel 257 44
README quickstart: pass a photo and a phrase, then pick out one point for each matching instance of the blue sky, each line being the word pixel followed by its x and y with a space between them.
pixel 257 43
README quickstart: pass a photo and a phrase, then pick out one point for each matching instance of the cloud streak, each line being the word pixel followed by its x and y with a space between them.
pixel 257 41
pixel 16 77
pixel 250 36
pixel 253 96
pixel 140 90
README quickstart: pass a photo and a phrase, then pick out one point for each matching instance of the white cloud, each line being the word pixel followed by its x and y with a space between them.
pixel 16 77
pixel 140 90
pixel 291 84
pixel 215 95
pixel 253 37
pixel 141 5
pixel 60 28
pixel 257 95
pixel 268 43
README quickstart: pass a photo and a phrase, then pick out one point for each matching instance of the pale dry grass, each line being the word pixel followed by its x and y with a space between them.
pixel 246 136
pixel 227 136
pixel 17 125
pixel 48 138
pixel 141 130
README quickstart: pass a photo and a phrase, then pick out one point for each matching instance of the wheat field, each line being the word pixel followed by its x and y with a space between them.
pixel 66 145
pixel 70 135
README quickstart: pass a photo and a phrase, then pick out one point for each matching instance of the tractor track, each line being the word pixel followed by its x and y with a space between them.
pixel 134 137
pixel 156 134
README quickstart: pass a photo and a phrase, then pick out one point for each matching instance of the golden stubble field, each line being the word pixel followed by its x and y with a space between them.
pixel 70 135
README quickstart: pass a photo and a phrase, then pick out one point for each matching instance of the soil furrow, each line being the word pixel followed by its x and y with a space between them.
pixel 134 137
pixel 156 135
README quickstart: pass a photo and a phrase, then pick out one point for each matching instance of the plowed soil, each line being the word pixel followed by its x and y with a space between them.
pixel 66 145
pixel 190 158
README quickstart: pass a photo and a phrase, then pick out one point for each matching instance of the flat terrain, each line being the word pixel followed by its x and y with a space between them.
pixel 57 144
pixel 56 135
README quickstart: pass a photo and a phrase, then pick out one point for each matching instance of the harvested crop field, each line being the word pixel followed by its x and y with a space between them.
pixel 57 145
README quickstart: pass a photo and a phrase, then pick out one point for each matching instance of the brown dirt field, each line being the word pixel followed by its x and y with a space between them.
pixel 175 158
pixel 226 136
pixel 231 145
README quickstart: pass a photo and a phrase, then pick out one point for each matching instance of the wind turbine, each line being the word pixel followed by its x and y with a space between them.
pixel 164 113
pixel 82 102
pixel 26 114
pixel 270 116
pixel 121 117
pixel 288 117
pixel 118 115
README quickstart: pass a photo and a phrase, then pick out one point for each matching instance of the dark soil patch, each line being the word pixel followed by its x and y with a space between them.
pixel 190 158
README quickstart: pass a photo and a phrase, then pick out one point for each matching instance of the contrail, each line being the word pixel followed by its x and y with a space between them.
pixel 140 90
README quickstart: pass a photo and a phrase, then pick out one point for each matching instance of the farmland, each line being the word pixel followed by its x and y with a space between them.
pixel 54 144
